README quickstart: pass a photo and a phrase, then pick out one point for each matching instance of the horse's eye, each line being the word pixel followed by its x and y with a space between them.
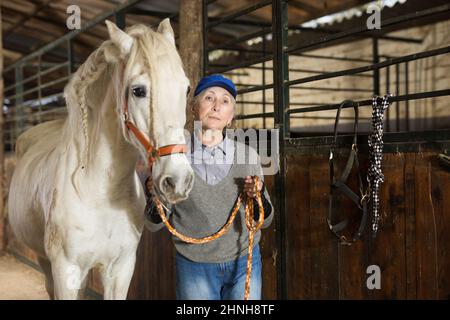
pixel 139 92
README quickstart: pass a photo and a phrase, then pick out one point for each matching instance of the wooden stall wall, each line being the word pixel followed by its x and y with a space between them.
pixel 412 247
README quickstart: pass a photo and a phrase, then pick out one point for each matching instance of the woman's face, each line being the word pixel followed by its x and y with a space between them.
pixel 215 109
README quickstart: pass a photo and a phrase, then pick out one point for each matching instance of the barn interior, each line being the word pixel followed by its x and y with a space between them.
pixel 293 62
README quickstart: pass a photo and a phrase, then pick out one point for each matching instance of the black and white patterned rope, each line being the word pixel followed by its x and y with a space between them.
pixel 375 174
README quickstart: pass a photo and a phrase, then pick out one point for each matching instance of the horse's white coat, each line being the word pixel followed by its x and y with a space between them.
pixel 75 197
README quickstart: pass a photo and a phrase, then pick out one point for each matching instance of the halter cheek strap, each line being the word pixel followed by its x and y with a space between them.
pixel 152 152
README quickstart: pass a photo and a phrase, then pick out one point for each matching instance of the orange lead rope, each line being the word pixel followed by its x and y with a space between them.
pixel 252 227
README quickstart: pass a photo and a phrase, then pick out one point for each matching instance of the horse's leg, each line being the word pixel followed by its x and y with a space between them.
pixel 47 268
pixel 117 276
pixel 67 278
pixel 82 292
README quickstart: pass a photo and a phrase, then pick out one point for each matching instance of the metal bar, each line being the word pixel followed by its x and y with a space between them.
pixel 255 115
pixel 247 50
pixel 397 92
pixel 40 91
pixel 239 14
pixel 244 64
pixel 19 100
pixel 363 103
pixel 73 33
pixel 379 65
pixel 264 83
pixel 326 117
pixel 307 88
pixel 70 57
pixel 120 19
pixel 246 37
pixel 37 75
pixel 376 72
pixel 45 85
pixel 332 89
pixel 400 39
pixel 388 22
pixel 281 121
pixel 307 55
pixel 255 88
pixel 290 103
pixel 37 115
pixel 393 142
pixel 294 70
pixel 406 93
pixel 388 91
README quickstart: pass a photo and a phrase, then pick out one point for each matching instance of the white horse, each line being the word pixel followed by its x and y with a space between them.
pixel 75 197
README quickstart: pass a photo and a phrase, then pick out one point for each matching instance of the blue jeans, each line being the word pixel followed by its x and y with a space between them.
pixel 217 281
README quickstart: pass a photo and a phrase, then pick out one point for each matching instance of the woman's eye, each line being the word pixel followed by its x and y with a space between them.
pixel 226 101
pixel 208 98
pixel 139 92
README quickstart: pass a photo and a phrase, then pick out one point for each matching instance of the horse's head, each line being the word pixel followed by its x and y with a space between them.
pixel 151 89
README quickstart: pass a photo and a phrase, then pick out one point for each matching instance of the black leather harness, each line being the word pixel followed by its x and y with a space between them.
pixel 339 184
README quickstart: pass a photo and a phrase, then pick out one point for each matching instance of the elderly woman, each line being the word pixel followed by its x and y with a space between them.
pixel 217 269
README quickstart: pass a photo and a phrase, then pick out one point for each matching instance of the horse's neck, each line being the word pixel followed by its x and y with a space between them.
pixel 111 158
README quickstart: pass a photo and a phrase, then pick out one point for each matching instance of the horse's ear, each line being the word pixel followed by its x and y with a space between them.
pixel 121 40
pixel 166 30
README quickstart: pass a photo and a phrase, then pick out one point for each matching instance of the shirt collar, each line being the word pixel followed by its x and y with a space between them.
pixel 224 146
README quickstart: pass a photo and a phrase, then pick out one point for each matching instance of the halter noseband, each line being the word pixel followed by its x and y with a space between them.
pixel 152 152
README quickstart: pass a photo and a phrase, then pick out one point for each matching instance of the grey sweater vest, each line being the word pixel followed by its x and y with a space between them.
pixel 207 210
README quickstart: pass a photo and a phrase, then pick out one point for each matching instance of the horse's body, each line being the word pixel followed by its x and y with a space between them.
pixel 79 210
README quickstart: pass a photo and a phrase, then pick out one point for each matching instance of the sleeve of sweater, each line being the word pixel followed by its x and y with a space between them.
pixel 265 197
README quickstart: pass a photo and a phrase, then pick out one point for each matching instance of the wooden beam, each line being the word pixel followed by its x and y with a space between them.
pixel 21 6
pixel 191 45
pixel 2 150
pixel 24 19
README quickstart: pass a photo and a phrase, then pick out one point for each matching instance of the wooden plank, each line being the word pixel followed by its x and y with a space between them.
pixel 298 262
pixel 268 246
pixel 410 223
pixel 440 192
pixel 2 150
pixel 426 236
pixel 154 273
pixel 388 248
pixel 353 260
pixel 324 266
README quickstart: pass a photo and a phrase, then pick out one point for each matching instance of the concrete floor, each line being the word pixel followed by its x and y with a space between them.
pixel 19 281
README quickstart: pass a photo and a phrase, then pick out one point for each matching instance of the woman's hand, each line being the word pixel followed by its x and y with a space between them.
pixel 250 186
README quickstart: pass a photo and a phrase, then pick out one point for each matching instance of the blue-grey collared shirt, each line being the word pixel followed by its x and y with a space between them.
pixel 212 164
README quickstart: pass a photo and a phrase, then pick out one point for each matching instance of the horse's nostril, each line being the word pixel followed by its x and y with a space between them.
pixel 188 181
pixel 168 183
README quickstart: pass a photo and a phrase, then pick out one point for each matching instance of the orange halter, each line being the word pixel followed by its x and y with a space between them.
pixel 152 152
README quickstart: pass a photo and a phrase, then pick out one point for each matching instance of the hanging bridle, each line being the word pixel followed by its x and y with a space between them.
pixel 152 152
pixel 340 183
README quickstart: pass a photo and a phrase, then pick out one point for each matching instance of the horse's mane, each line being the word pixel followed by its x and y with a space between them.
pixel 148 44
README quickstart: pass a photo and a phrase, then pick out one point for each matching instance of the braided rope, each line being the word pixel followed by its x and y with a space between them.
pixel 252 227
pixel 375 173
